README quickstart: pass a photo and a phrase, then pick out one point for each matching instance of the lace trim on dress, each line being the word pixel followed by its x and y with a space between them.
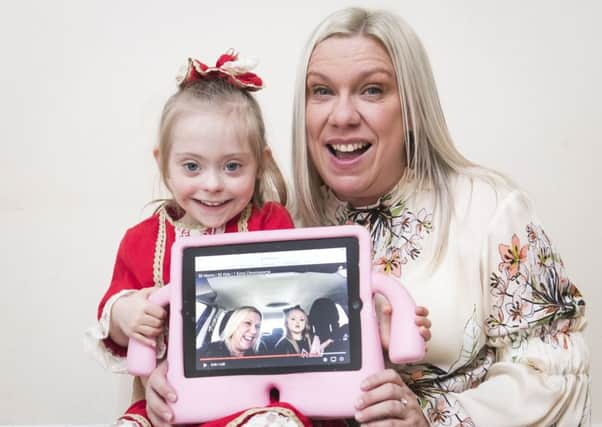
pixel 243 221
pixel 261 417
pixel 185 230
pixel 132 420
pixel 159 250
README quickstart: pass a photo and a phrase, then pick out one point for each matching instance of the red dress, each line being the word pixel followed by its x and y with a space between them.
pixel 143 260
pixel 144 254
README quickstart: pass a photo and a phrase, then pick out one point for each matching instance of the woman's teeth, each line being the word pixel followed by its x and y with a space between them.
pixel 348 148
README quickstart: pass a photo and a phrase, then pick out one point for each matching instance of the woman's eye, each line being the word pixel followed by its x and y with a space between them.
pixel 232 166
pixel 373 90
pixel 191 166
pixel 320 91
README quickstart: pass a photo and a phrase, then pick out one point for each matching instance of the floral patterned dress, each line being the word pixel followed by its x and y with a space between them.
pixel 507 347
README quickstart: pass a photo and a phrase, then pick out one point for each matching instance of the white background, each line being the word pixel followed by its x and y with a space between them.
pixel 82 84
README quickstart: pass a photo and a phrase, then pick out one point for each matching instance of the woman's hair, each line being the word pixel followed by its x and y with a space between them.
pixel 243 114
pixel 431 156
pixel 287 311
pixel 235 320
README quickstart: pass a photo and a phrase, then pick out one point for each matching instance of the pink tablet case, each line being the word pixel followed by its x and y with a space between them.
pixel 329 394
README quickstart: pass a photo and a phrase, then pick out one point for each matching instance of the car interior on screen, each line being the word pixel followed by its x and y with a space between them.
pixel 321 295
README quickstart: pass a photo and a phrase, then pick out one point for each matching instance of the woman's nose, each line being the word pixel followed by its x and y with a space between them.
pixel 344 112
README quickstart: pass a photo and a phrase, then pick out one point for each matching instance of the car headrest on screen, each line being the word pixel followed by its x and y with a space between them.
pixel 324 319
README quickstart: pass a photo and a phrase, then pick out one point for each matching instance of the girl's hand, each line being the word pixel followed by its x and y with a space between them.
pixel 423 322
pixel 383 315
pixel 134 316
pixel 158 393
pixel 386 400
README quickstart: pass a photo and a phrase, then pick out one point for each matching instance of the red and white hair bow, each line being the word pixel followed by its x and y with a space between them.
pixel 228 66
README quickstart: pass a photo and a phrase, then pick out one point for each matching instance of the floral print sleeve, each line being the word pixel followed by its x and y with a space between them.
pixel 534 316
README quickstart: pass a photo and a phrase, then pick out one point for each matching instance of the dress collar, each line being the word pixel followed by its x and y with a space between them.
pixel 397 232
pixel 182 229
pixel 340 212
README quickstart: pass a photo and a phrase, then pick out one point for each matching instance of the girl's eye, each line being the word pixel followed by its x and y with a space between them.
pixel 191 166
pixel 232 166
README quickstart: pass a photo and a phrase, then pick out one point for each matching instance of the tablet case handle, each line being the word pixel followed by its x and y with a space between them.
pixel 141 358
pixel 405 343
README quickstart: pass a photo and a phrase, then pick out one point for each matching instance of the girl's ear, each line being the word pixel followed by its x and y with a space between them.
pixel 156 155
pixel 267 160
pixel 267 153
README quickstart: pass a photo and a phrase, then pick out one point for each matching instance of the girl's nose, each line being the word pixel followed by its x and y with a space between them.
pixel 344 112
pixel 212 181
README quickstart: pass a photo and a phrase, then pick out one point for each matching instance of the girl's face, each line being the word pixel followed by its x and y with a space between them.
pixel 246 333
pixel 211 169
pixel 353 118
pixel 296 322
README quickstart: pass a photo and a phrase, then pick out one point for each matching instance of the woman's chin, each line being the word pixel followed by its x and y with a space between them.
pixel 353 191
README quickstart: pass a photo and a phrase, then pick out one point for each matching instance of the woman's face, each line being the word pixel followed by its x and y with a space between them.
pixel 296 322
pixel 245 335
pixel 354 119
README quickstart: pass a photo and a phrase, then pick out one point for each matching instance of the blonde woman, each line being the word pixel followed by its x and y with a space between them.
pixel 371 146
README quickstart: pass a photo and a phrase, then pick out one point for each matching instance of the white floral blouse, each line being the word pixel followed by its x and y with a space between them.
pixel 507 347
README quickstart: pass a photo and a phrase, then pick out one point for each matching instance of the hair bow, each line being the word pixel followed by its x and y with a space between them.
pixel 228 66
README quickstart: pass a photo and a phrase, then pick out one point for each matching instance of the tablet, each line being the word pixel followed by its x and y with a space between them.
pixel 318 278
pixel 230 298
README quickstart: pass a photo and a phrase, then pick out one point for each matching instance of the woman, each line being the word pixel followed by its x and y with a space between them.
pixel 240 336
pixel 371 147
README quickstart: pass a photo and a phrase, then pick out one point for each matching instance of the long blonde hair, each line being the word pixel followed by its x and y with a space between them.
pixel 431 157
pixel 218 94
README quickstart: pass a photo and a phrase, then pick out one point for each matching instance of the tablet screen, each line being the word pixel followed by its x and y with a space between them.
pixel 271 307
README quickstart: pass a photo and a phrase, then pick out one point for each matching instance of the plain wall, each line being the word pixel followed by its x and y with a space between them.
pixel 82 84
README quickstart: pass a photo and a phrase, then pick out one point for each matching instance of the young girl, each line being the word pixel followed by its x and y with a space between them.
pixel 214 160
pixel 296 339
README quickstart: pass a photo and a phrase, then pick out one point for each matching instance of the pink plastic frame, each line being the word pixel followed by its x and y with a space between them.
pixel 315 394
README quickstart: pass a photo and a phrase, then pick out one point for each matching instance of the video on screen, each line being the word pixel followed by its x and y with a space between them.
pixel 281 310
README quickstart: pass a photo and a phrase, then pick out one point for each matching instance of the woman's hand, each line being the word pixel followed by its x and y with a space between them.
pixel 158 393
pixel 134 316
pixel 387 400
pixel 383 315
